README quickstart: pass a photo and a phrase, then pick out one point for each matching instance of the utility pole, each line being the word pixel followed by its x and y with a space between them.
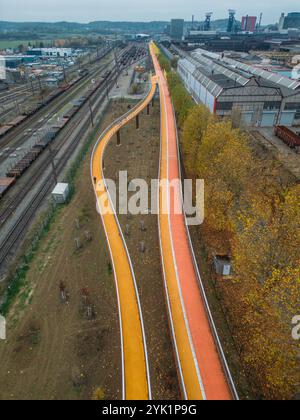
pixel 32 86
pixel 53 164
pixel 118 138
pixel 107 91
pixel 117 66
pixel 91 113
pixel 65 76
pixel 17 107
pixel 41 90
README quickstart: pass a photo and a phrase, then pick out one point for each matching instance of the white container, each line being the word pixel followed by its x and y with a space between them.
pixel 60 193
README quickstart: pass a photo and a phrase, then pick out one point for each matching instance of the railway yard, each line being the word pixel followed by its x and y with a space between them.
pixel 26 98
pixel 105 304
pixel 27 150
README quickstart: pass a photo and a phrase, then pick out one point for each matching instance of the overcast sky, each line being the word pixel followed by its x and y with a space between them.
pixel 138 10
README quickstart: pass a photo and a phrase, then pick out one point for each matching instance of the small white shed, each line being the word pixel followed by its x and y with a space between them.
pixel 223 265
pixel 60 193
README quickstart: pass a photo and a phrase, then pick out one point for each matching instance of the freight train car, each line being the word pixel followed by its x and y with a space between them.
pixel 4 130
pixel 17 121
pixel 288 136
pixel 5 184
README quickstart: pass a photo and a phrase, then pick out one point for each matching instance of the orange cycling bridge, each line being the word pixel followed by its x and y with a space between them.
pixel 202 366
pixel 135 367
pixel 201 362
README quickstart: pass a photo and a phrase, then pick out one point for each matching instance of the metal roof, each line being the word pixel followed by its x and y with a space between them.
pixel 265 74
pixel 238 66
pixel 60 189
pixel 193 68
pixel 216 73
pixel 212 64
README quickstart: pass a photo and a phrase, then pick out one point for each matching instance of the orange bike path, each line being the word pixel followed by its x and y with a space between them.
pixel 190 381
pixel 209 364
pixel 135 371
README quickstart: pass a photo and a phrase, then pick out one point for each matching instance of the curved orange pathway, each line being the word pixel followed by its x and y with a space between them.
pixel 212 380
pixel 135 369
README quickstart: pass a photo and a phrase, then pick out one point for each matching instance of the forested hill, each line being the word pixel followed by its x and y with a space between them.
pixel 10 28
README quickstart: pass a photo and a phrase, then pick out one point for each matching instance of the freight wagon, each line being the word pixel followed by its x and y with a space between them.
pixel 24 163
pixel 288 136
pixel 5 184
pixel 4 130
pixel 18 120
pixel 21 166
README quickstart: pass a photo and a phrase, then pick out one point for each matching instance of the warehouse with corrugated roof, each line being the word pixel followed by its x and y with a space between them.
pixel 226 86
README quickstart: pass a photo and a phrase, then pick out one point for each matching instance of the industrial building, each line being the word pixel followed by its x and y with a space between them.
pixel 226 85
pixel 249 23
pixel 14 61
pixel 51 52
pixel 291 21
pixel 176 29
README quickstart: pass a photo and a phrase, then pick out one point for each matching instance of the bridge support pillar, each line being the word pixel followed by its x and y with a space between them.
pixel 137 121
pixel 118 138
pixel 148 109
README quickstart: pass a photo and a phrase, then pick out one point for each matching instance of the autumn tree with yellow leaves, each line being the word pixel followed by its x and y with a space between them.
pixel 257 222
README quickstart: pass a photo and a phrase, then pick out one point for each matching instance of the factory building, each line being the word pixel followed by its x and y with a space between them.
pixel 176 29
pixel 14 61
pixel 51 52
pixel 226 86
pixel 291 21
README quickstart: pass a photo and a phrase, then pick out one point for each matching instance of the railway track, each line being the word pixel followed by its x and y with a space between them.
pixel 62 102
pixel 6 112
pixel 11 238
pixel 13 96
pixel 12 105
pixel 21 224
pixel 44 163
pixel 13 91
pixel 17 134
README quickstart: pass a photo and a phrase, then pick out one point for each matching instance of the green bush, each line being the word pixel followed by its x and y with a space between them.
pixel 183 103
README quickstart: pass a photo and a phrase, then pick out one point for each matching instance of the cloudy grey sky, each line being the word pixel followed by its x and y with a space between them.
pixel 138 10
